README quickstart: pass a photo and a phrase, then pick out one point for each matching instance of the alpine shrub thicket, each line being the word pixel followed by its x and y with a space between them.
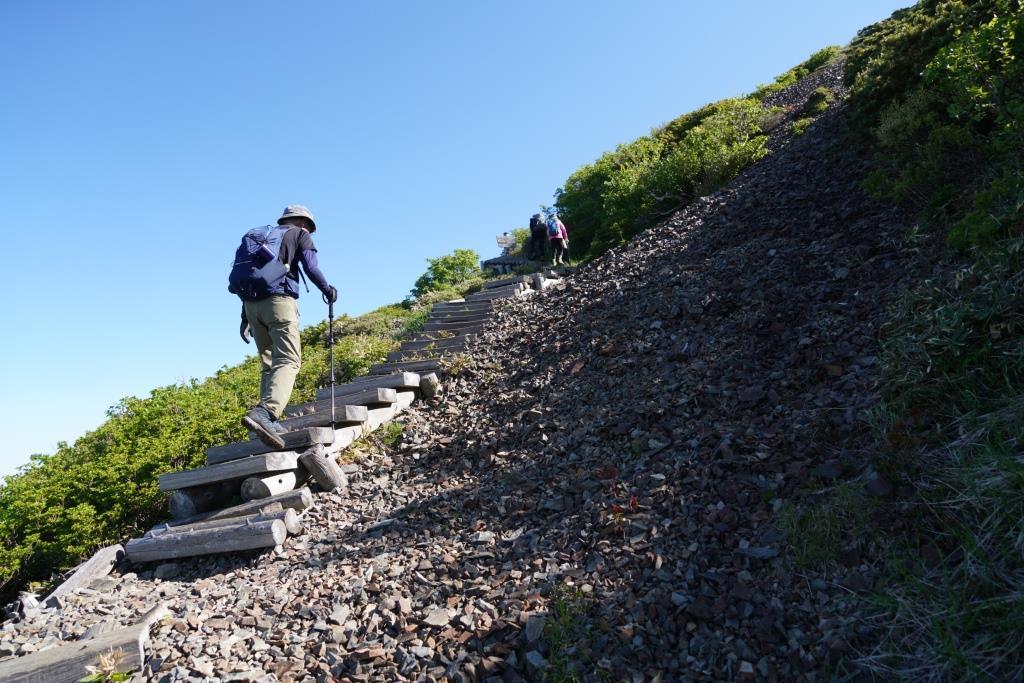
pixel 450 270
pixel 939 89
pixel 630 189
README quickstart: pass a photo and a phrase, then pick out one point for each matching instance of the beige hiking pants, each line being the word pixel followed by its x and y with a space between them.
pixel 275 327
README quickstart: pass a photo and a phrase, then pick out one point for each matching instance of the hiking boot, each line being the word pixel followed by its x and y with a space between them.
pixel 280 428
pixel 259 421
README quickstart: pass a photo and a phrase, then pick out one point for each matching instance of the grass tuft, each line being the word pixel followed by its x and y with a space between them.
pixel 567 627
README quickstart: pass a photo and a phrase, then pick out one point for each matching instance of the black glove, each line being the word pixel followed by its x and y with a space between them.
pixel 331 295
pixel 243 330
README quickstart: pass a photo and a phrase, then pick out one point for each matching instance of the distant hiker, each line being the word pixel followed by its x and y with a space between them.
pixel 265 276
pixel 538 236
pixel 558 236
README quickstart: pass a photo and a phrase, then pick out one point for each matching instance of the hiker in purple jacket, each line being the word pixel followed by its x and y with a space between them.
pixel 558 236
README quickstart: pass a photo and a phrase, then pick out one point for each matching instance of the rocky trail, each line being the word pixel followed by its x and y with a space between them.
pixel 596 490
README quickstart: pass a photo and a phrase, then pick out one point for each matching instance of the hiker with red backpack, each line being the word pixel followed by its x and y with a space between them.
pixel 265 276
pixel 558 236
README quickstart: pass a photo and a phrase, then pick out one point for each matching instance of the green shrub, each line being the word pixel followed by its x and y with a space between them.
pixel 940 87
pixel 817 103
pixel 631 188
pixel 628 190
pixel 800 126
pixel 522 236
pixel 457 291
pixel 886 60
pixel 447 271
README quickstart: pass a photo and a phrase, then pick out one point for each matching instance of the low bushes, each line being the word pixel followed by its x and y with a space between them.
pixel 630 189
pixel 450 270
pixel 939 91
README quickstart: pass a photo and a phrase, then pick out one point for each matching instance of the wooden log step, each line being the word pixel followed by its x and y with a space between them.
pixel 163 527
pixel 361 397
pixel 459 317
pixel 417 344
pixel 399 381
pixel 287 515
pixel 265 486
pixel 493 294
pixel 505 282
pixel 297 500
pixel 65 663
pixel 465 307
pixel 323 469
pixel 344 437
pixel 495 297
pixel 430 346
pixel 186 503
pixel 430 335
pixel 223 539
pixel 464 311
pixel 96 567
pixel 514 287
pixel 345 412
pixel 293 441
pixel 430 365
pixel 233 469
pixel 381 416
pixel 490 294
pixel 447 332
pixel 318 413
pixel 455 315
pixel 420 354
pixel 454 328
pixel 469 308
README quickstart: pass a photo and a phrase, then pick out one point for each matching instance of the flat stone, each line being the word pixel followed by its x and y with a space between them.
pixel 534 628
pixel 482 537
pixel 168 570
pixel 535 660
pixel 437 617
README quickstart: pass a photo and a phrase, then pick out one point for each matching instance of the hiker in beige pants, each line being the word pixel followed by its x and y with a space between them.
pixel 274 323
pixel 265 276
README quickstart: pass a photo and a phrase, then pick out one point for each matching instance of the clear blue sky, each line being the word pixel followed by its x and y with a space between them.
pixel 140 139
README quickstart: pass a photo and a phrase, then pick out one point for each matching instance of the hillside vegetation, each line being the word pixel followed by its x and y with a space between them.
pixel 628 190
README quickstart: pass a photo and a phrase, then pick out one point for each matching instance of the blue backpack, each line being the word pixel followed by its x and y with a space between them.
pixel 257 272
pixel 553 230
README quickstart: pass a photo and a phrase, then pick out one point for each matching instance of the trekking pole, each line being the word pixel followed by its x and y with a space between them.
pixel 330 342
